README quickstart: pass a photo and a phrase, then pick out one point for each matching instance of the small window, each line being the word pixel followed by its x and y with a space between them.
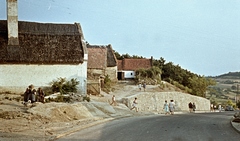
pixel 131 74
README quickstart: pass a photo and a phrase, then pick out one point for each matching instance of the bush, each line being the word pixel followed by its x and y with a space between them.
pixel 107 81
pixel 153 73
pixel 63 86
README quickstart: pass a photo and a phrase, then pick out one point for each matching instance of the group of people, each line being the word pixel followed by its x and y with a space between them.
pixel 192 107
pixel 169 107
pixel 142 85
pixel 214 107
pixel 34 95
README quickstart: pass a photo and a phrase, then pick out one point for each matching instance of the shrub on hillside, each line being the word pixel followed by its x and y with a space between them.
pixel 63 86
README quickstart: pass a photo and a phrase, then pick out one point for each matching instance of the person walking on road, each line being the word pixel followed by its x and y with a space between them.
pixel 134 105
pixel 194 107
pixel 144 86
pixel 166 108
pixel 220 107
pixel 190 106
pixel 212 110
pixel 140 86
pixel 171 107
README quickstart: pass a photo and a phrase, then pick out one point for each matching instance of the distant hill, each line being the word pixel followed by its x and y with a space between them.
pixel 230 75
pixel 227 88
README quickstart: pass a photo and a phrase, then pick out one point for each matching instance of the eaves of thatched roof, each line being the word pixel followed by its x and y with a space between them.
pixel 43 43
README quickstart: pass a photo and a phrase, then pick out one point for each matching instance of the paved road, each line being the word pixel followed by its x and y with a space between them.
pixel 179 127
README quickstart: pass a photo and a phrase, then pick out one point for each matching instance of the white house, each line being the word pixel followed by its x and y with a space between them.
pixel 128 66
pixel 38 53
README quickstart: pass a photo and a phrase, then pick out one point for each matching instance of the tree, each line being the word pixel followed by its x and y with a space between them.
pixel 126 55
pixel 141 73
pixel 118 56
pixel 159 63
pixel 153 73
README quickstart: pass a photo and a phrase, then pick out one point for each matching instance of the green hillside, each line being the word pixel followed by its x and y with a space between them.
pixel 227 89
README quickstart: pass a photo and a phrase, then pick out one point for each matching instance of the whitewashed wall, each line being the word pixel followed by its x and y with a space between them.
pixel 16 78
pixel 129 74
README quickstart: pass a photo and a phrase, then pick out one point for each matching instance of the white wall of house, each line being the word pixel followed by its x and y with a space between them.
pixel 129 74
pixel 16 78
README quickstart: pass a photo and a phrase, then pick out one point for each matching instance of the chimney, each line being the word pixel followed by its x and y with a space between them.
pixel 13 51
pixel 12 22
pixel 151 61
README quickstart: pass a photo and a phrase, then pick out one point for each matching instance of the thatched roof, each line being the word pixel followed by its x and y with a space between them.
pixel 100 57
pixel 111 58
pixel 97 57
pixel 43 43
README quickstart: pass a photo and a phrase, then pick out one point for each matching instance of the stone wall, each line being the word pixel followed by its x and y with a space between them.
pixel 112 73
pixel 153 101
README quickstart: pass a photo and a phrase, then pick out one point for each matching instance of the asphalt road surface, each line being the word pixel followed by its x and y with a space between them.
pixel 178 127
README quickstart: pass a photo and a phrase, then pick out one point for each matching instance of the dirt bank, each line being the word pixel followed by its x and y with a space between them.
pixel 50 120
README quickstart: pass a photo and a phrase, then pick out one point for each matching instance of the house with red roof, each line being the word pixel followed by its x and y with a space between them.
pixel 127 67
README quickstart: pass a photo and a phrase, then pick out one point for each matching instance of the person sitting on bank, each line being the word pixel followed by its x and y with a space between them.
pixel 41 95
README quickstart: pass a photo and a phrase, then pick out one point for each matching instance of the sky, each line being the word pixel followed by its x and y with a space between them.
pixel 201 36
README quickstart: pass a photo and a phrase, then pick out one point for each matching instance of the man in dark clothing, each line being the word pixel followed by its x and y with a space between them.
pixel 190 106
pixel 28 93
pixel 193 106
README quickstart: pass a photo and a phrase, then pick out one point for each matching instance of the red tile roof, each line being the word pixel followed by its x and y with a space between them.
pixel 134 64
pixel 119 64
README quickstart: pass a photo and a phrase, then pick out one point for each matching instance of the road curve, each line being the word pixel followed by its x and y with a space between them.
pixel 179 127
